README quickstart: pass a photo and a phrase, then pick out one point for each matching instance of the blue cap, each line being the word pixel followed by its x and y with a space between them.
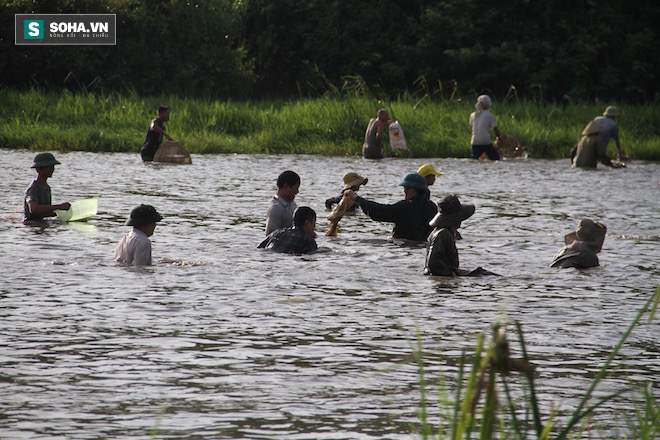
pixel 414 180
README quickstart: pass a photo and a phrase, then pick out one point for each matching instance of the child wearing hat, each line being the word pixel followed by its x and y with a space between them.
pixel 134 249
pixel 38 199
pixel 582 245
pixel 441 252
pixel 352 181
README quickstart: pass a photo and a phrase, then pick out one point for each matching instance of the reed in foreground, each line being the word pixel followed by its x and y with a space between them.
pixel 480 410
pixel 332 125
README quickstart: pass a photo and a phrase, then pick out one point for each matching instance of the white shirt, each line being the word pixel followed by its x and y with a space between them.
pixel 479 126
pixel 134 249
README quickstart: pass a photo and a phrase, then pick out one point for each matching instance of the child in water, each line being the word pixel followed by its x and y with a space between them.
pixel 134 249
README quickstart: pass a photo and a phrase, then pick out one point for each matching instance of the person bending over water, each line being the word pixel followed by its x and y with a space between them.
pixel 582 245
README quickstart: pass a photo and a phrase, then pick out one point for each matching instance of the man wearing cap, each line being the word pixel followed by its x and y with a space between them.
pixel 410 216
pixel 38 200
pixel 351 181
pixel 134 249
pixel 582 245
pixel 282 206
pixel 592 147
pixel 428 173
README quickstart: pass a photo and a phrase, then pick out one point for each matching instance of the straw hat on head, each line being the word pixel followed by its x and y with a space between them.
pixel 451 212
pixel 352 179
pixel 143 215
pixel 611 111
pixel 44 160
pixel 427 169
pixel 414 180
pixel 589 232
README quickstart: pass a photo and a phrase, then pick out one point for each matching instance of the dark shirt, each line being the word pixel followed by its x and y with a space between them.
pixel 410 217
pixel 152 140
pixel 441 253
pixel 334 200
pixel 289 241
pixel 36 193
pixel 577 254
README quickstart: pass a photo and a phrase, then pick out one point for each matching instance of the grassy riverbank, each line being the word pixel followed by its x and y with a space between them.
pixel 326 126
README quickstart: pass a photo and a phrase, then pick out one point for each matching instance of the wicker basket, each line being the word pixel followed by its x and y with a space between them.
pixel 172 152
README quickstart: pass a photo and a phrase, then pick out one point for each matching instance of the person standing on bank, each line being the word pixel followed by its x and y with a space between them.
pixel 481 121
pixel 134 249
pixel 410 216
pixel 282 206
pixel 155 134
pixel 373 137
pixel 37 203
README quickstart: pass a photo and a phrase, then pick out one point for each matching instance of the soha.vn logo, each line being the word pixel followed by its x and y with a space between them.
pixel 33 29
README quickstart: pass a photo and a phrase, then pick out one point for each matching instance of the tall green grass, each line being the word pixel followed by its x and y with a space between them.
pixel 330 125
pixel 484 407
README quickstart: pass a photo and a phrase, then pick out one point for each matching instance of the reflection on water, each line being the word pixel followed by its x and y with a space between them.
pixel 219 340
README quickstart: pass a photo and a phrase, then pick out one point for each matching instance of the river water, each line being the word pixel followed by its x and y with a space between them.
pixel 221 340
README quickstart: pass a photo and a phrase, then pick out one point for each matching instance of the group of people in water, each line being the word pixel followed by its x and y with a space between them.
pixel 291 229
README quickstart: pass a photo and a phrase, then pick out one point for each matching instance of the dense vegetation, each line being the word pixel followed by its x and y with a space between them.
pixel 331 125
pixel 551 51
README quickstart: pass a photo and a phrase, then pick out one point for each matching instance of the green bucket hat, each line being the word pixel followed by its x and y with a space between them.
pixel 143 215
pixel 44 160
pixel 414 180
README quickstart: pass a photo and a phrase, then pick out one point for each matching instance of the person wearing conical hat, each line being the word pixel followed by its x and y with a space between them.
pixel 37 203
pixel 582 245
pixel 410 216
pixel 592 147
pixel 134 249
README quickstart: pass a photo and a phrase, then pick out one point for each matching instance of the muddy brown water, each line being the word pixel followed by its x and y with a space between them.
pixel 221 340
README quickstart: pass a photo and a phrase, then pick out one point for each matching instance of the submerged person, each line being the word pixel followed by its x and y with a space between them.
pixel 428 173
pixel 282 206
pixel 481 121
pixel 352 181
pixel 296 240
pixel 155 134
pixel 441 252
pixel 134 249
pixel 582 245
pixel 37 203
pixel 592 147
pixel 373 136
pixel 410 216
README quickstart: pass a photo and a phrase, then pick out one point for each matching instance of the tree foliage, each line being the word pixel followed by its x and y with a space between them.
pixel 555 50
